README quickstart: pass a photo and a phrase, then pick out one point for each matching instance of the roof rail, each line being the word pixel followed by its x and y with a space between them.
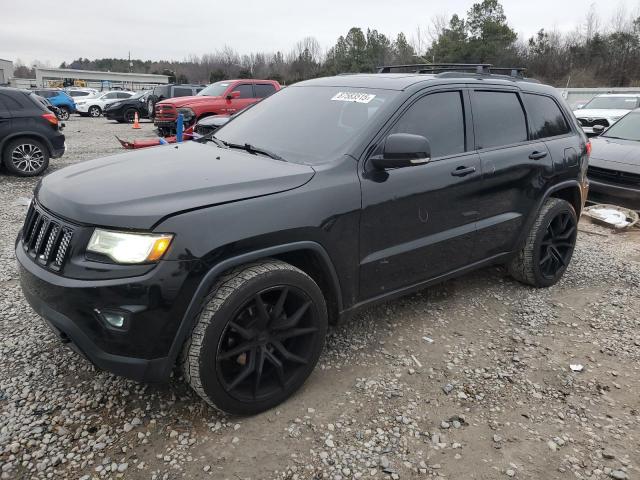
pixel 478 68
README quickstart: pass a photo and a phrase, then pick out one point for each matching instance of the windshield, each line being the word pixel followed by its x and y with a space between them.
pixel 214 90
pixel 307 124
pixel 627 128
pixel 613 103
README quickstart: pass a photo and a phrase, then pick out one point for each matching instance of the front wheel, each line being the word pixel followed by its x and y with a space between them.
pixel 257 338
pixel 63 113
pixel 549 245
pixel 94 111
pixel 129 115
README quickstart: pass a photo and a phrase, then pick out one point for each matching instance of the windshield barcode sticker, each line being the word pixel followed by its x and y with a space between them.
pixel 353 97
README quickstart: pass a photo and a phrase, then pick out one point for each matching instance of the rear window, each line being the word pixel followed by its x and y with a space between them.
pixel 264 89
pixel 545 117
pixel 498 119
pixel 182 92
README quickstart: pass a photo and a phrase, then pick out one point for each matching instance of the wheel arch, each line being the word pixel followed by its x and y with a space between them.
pixel 308 256
pixel 30 134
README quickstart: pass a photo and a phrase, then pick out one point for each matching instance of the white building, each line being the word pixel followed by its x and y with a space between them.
pixel 46 77
pixel 6 71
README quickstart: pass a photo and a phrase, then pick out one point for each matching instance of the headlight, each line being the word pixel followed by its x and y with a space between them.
pixel 129 247
pixel 187 114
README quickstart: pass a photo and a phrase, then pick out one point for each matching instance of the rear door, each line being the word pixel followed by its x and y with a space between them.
pixel 513 168
pixel 548 123
pixel 418 222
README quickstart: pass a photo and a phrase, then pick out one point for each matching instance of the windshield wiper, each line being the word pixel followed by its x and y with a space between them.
pixel 210 137
pixel 253 149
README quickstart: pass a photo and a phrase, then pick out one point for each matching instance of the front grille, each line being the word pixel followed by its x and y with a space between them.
pixel 590 122
pixel 166 113
pixel 46 239
pixel 615 176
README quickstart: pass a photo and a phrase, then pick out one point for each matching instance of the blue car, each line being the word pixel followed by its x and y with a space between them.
pixel 60 99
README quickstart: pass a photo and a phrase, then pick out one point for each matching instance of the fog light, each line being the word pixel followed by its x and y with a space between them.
pixel 112 319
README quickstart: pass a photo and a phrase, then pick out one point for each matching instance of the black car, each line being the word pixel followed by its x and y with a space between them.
pixel 30 134
pixel 614 165
pixel 162 92
pixel 124 111
pixel 229 256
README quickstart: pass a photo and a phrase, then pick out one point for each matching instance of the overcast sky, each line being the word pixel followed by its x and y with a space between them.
pixel 169 29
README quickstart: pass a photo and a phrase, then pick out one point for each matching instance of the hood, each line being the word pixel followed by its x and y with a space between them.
pixel 188 101
pixel 618 154
pixel 599 113
pixel 137 189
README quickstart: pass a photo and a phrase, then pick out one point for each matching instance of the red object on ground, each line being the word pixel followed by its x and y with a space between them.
pixel 153 142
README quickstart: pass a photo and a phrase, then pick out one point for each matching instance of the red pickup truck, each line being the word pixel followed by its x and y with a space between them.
pixel 221 98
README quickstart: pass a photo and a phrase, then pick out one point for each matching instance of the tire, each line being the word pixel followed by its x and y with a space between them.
pixel 151 105
pixel 549 246
pixel 128 115
pixel 94 111
pixel 26 157
pixel 244 359
pixel 63 113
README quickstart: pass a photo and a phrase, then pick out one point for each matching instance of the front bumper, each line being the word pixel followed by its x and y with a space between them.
pixel 154 305
pixel 607 192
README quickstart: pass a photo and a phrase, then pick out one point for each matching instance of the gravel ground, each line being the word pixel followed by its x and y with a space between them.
pixel 470 379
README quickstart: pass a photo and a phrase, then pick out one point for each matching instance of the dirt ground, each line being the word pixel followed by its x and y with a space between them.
pixel 467 380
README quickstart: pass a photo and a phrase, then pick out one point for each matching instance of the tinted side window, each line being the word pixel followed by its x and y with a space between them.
pixel 182 92
pixel 246 90
pixel 123 95
pixel 498 119
pixel 264 90
pixel 11 103
pixel 440 118
pixel 545 117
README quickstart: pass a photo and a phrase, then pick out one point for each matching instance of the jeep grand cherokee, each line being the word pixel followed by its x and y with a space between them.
pixel 230 255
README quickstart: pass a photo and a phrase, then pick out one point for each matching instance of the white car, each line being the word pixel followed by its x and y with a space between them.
pixel 93 105
pixel 606 109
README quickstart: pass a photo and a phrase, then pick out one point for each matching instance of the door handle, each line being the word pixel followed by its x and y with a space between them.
pixel 463 171
pixel 537 155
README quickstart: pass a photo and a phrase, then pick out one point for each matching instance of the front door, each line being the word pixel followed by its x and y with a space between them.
pixel 243 98
pixel 418 222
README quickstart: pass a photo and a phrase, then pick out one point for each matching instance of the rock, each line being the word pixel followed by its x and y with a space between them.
pixel 510 473
pixel 618 475
pixel 608 454
pixel 553 446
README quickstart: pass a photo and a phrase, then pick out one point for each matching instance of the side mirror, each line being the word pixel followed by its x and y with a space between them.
pixel 598 129
pixel 403 150
pixel 234 94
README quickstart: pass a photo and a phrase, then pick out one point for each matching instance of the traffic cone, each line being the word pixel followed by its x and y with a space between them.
pixel 136 122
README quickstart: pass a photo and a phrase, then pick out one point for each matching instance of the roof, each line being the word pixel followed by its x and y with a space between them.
pixel 403 81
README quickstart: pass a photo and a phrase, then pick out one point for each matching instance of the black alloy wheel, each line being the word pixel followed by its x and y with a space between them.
pixel 267 343
pixel 557 244
pixel 63 113
pixel 130 115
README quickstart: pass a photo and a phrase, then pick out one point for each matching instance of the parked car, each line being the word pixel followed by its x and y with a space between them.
pixel 52 108
pixel 220 98
pixel 124 111
pixel 605 110
pixel 30 134
pixel 614 165
pixel 93 105
pixel 230 255
pixel 60 99
pixel 164 92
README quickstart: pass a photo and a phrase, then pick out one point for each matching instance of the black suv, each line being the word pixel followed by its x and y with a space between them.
pixel 162 92
pixel 30 134
pixel 230 255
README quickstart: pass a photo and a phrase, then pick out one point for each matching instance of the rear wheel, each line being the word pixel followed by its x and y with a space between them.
pixel 549 245
pixel 94 111
pixel 257 338
pixel 26 157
